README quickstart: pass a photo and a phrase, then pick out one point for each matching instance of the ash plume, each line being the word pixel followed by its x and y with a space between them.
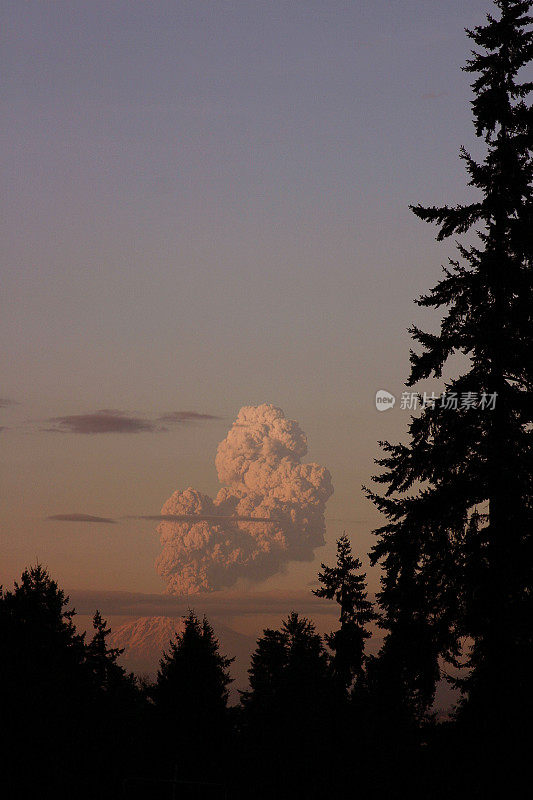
pixel 269 511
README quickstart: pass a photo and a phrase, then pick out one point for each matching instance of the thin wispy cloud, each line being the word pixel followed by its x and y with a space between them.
pixel 219 518
pixel 161 518
pixel 113 421
pixel 202 518
pixel 104 421
pixel 81 518
pixel 182 417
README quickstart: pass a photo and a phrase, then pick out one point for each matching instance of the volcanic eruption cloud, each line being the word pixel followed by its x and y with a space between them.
pixel 262 477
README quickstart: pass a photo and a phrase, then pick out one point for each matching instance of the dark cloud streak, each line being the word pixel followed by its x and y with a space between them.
pixel 202 518
pixel 104 421
pixel 182 417
pixel 81 518
pixel 113 421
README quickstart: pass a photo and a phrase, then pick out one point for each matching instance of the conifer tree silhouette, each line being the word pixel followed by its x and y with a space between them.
pixel 287 665
pixel 44 687
pixel 71 714
pixel 288 711
pixel 457 550
pixel 101 660
pixel 347 585
pixel 190 697
pixel 114 725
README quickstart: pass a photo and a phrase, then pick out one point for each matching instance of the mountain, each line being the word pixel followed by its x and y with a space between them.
pixel 145 638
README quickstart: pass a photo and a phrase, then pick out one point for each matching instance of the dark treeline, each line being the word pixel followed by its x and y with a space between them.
pixel 321 717
pixel 313 721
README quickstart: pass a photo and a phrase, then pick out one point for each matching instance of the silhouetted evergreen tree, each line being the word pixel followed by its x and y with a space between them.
pixel 457 551
pixel 70 713
pixel 347 586
pixel 44 689
pixel 116 714
pixel 288 664
pixel 101 660
pixel 190 698
pixel 288 711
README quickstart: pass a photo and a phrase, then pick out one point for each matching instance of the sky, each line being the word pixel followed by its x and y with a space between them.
pixel 206 206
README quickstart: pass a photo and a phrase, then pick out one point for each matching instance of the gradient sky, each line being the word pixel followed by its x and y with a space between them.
pixel 206 206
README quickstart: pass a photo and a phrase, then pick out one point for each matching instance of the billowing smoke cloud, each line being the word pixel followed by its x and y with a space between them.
pixel 269 511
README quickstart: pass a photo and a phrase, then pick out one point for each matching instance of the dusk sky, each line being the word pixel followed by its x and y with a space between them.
pixel 206 206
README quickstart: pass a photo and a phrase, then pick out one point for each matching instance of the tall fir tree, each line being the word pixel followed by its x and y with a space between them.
pixel 190 698
pixel 44 688
pixel 457 550
pixel 106 673
pixel 347 585
pixel 288 667
pixel 115 716
pixel 68 704
pixel 288 725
